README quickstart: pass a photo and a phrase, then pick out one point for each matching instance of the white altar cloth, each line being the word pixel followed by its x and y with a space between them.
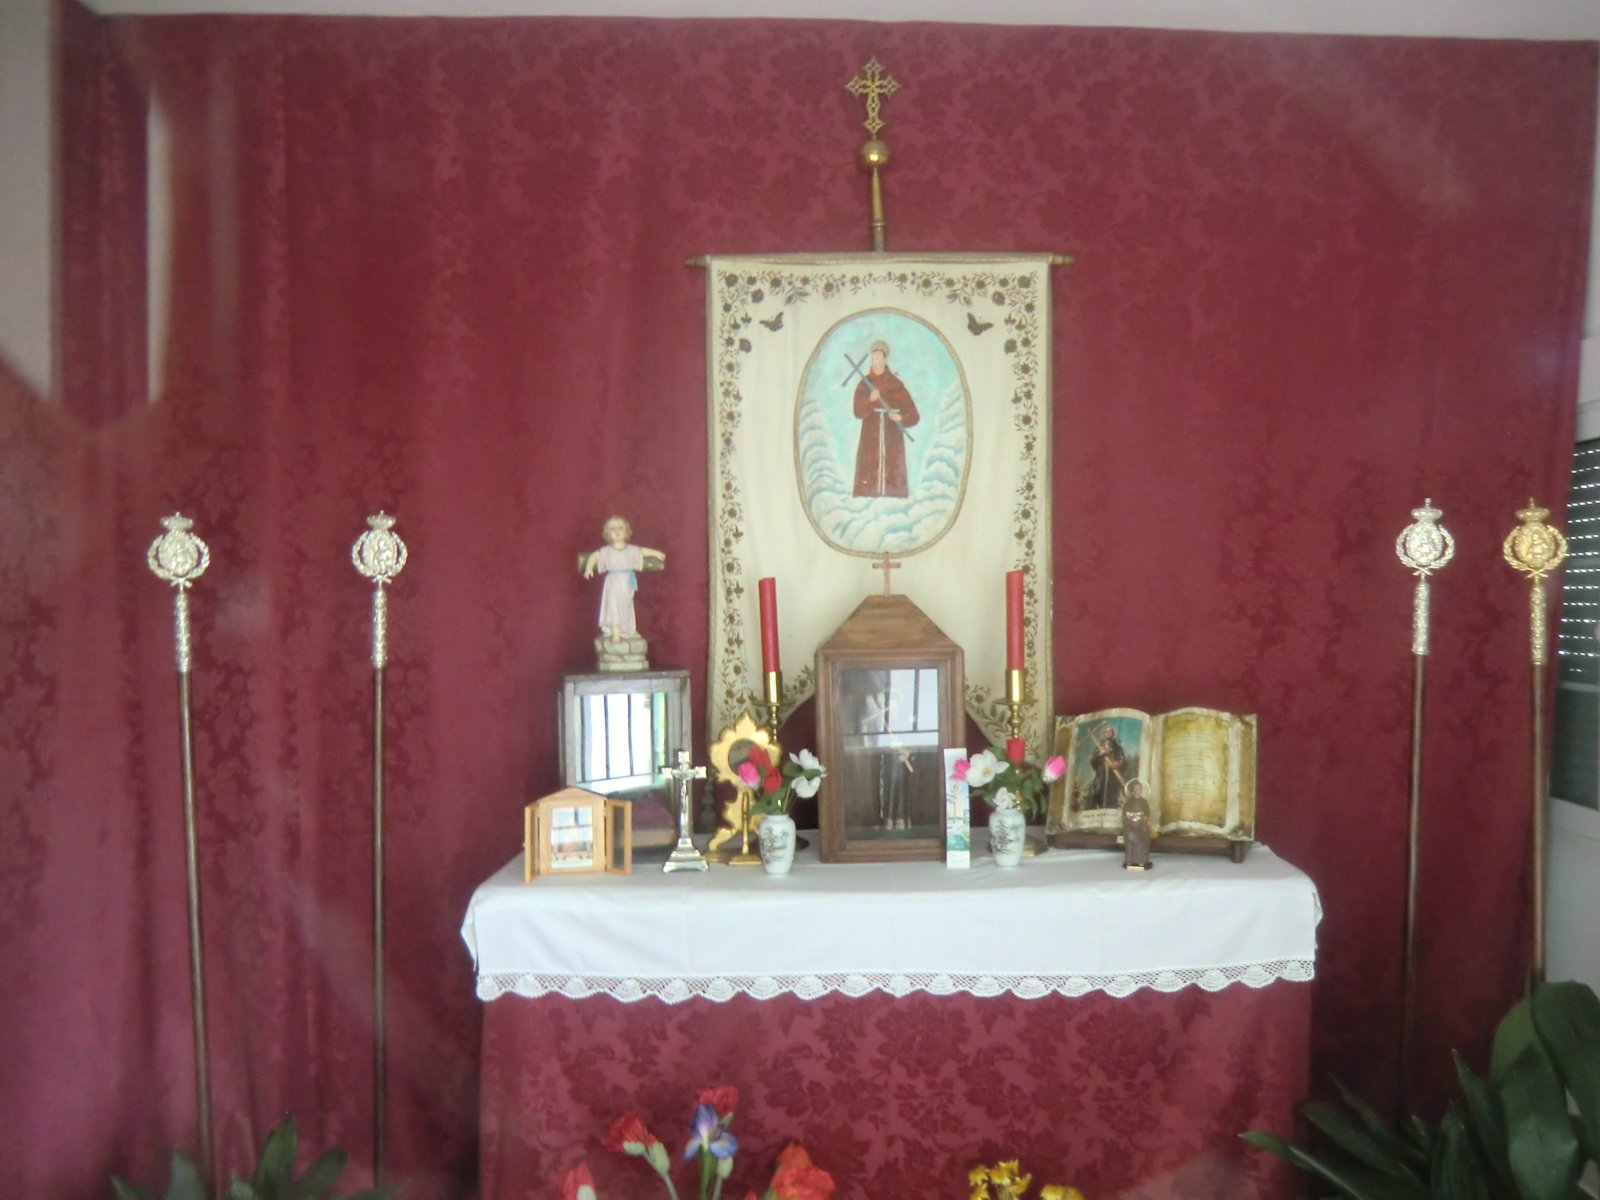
pixel 1067 922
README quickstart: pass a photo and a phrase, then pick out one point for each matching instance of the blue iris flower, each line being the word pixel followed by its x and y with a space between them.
pixel 708 1134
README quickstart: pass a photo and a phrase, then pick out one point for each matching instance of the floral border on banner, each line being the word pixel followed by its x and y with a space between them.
pixel 768 319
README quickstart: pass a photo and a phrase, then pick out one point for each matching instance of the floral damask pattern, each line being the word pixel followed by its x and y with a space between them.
pixel 1141 1097
pixel 436 267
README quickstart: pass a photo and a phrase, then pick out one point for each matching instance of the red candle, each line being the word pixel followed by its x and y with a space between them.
pixel 768 592
pixel 1014 645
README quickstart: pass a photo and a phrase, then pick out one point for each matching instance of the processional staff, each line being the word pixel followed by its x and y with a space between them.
pixel 1423 546
pixel 875 87
pixel 178 557
pixel 1536 549
pixel 380 555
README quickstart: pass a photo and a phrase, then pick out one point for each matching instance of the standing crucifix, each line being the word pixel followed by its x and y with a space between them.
pixel 684 856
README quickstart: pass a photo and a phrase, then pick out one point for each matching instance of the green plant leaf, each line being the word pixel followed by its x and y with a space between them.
pixel 128 1191
pixel 275 1169
pixel 1397 1146
pixel 1514 1035
pixel 1566 1017
pixel 184 1182
pixel 319 1180
pixel 1485 1120
pixel 239 1189
pixel 1418 1135
pixel 1386 1153
pixel 1458 1170
pixel 1354 1181
pixel 1541 1140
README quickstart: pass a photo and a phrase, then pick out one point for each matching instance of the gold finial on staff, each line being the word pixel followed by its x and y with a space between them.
pixel 379 555
pixel 1536 549
pixel 1423 547
pixel 178 557
pixel 875 87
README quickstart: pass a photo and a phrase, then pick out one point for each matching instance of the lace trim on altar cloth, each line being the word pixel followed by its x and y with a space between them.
pixel 809 987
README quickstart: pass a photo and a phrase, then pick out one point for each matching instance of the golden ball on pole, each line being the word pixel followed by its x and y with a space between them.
pixel 874 154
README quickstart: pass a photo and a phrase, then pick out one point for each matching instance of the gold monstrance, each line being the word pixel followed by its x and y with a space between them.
pixel 1536 549
pixel 379 555
pixel 874 86
pixel 1423 547
pixel 178 557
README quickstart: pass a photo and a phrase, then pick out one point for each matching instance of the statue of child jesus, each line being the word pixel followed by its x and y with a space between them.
pixel 620 562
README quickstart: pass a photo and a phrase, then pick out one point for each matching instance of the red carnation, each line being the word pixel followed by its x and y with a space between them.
pixel 1016 750
pixel 797 1178
pixel 772 780
pixel 722 1099
pixel 577 1183
pixel 761 759
pixel 626 1130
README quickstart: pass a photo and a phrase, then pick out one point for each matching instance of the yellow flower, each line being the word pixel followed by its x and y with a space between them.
pixel 1056 1192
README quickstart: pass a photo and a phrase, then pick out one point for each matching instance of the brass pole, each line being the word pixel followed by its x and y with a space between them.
pixel 1423 547
pixel 378 554
pixel 1536 549
pixel 178 557
pixel 197 950
pixel 1408 1024
pixel 1536 967
pixel 379 1023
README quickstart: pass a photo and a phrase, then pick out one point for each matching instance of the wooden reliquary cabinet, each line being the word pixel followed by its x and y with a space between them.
pixel 890 689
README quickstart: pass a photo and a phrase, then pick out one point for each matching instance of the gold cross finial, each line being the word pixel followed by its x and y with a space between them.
pixel 875 86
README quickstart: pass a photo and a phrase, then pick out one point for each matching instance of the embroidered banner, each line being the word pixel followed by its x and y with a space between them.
pixel 869 409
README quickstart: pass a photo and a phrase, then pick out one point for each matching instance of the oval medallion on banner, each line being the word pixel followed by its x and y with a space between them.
pixel 883 434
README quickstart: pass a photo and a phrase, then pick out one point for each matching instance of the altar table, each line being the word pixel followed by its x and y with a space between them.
pixel 904 1021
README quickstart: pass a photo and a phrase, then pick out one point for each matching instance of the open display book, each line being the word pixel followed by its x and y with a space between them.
pixel 1196 768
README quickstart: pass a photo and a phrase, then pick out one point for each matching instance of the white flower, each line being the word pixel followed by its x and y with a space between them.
pixel 806 788
pixel 809 762
pixel 1003 800
pixel 981 768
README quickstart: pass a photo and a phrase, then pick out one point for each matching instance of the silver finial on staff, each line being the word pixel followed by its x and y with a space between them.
pixel 1423 547
pixel 380 555
pixel 178 557
pixel 1536 549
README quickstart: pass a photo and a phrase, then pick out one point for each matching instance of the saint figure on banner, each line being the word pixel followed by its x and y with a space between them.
pixel 886 410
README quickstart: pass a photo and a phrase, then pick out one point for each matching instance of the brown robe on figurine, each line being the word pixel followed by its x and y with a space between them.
pixel 881 452
pixel 1135 828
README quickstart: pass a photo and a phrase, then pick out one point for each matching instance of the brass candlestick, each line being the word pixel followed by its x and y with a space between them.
pixel 874 86
pixel 773 695
pixel 1536 549
pixel 1032 845
pixel 380 555
pixel 1423 546
pixel 179 558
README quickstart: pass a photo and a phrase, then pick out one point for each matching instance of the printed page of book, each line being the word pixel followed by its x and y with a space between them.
pixel 1193 788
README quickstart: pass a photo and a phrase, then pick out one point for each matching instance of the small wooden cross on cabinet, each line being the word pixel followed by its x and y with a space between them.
pixel 885 565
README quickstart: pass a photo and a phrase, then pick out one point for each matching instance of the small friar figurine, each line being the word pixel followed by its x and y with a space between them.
pixel 619 646
pixel 1135 828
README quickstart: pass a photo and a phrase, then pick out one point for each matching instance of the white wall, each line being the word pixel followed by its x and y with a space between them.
pixel 27 234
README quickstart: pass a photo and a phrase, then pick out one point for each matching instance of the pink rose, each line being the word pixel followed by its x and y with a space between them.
pixel 1055 766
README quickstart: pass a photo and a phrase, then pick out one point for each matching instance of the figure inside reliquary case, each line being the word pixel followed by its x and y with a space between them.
pixel 891 776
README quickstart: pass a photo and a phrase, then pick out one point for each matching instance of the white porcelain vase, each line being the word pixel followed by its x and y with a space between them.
pixel 776 835
pixel 1008 829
